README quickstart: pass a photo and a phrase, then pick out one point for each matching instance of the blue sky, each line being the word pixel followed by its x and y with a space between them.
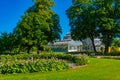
pixel 12 10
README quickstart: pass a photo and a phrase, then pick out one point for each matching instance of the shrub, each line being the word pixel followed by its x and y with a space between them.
pixel 82 60
pixel 111 57
pixel 38 62
pixel 33 66
pixel 68 57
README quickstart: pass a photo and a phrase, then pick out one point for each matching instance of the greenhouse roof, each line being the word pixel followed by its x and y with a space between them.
pixel 77 43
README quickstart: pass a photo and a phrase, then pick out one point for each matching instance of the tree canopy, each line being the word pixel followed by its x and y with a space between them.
pixel 82 20
pixel 92 18
pixel 108 20
pixel 38 26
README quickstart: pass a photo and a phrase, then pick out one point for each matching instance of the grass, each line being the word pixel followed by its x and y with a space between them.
pixel 98 69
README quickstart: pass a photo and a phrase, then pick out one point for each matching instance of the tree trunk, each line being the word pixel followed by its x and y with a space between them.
pixel 108 41
pixel 93 44
pixel 106 48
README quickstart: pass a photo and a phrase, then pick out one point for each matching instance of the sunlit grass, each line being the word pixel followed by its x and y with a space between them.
pixel 98 69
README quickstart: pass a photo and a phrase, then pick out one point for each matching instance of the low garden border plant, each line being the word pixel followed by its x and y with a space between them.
pixel 22 63
pixel 33 66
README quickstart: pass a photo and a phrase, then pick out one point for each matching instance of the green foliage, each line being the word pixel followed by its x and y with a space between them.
pixel 38 26
pixel 116 43
pixel 114 53
pixel 98 69
pixel 82 60
pixel 33 66
pixel 82 20
pixel 25 63
pixel 111 57
pixel 60 48
pixel 108 23
pixel 7 42
pixel 95 18
pixel 58 56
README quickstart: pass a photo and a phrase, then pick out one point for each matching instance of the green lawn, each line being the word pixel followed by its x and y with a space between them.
pixel 98 69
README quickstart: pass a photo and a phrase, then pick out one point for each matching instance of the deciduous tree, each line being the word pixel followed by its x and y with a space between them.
pixel 91 18
pixel 82 20
pixel 108 14
pixel 38 26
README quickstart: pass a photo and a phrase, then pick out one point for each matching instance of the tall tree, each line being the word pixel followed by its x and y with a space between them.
pixel 82 20
pixel 39 25
pixel 95 17
pixel 108 14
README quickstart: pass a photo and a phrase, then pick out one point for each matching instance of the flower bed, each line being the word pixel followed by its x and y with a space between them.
pixel 38 62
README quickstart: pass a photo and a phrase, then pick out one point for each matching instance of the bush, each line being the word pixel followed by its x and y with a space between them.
pixel 33 66
pixel 82 60
pixel 111 57
pixel 68 57
pixel 114 53
pixel 38 62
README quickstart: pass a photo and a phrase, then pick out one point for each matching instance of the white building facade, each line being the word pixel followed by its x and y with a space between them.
pixel 78 46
